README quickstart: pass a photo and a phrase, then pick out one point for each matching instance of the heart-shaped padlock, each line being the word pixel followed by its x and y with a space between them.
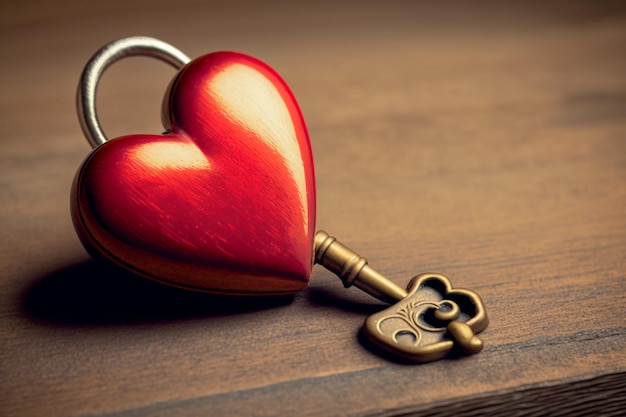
pixel 224 201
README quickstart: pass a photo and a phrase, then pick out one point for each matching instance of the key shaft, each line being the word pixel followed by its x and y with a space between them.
pixel 353 269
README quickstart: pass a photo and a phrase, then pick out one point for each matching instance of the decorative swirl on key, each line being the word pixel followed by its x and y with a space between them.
pixel 464 336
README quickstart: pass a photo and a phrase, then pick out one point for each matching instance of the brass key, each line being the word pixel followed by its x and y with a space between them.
pixel 427 320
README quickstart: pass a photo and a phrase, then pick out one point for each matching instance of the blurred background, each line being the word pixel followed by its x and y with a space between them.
pixel 45 44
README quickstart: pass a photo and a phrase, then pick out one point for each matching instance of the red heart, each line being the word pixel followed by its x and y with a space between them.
pixel 223 201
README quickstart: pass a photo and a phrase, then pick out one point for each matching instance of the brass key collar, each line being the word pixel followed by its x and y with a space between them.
pixel 353 269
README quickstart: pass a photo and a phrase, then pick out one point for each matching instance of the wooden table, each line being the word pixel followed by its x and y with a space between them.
pixel 485 141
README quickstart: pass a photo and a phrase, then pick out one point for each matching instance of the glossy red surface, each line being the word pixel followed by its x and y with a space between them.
pixel 222 202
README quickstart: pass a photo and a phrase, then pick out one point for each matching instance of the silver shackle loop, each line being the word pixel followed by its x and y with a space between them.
pixel 105 57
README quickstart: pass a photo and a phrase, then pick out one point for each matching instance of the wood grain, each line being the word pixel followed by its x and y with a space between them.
pixel 484 141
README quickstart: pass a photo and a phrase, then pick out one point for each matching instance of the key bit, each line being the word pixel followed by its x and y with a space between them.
pixel 426 321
